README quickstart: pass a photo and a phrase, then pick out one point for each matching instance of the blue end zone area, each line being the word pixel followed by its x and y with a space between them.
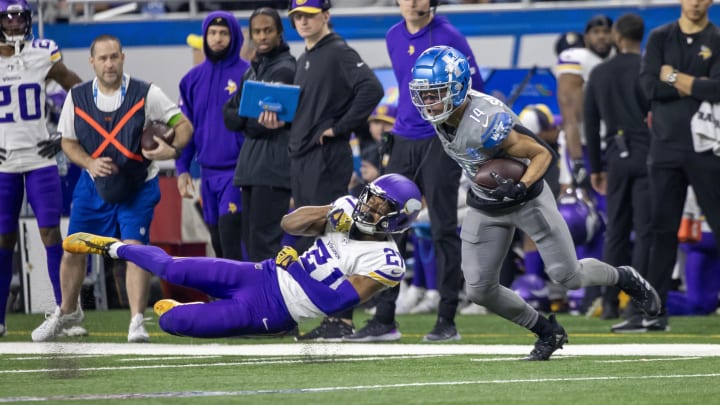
pixel 478 23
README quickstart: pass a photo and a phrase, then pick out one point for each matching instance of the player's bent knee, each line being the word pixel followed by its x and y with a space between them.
pixel 174 323
pixel 560 275
pixel 481 295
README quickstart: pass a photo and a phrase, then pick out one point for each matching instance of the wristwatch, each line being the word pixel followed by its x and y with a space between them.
pixel 671 78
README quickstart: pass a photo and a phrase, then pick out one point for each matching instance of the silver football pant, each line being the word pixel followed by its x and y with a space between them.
pixel 486 239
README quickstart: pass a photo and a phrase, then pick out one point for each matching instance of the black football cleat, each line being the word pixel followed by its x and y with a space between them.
pixel 640 291
pixel 546 345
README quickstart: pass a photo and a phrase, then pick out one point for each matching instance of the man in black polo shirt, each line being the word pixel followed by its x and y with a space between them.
pixel 680 70
pixel 613 95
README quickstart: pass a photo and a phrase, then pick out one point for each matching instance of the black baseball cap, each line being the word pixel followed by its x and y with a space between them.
pixel 599 20
pixel 570 39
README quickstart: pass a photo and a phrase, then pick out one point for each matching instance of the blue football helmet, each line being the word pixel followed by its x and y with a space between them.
pixel 441 75
pixel 16 21
pixel 400 193
pixel 580 215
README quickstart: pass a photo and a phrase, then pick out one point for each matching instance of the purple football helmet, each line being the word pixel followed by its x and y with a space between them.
pixel 575 300
pixel 54 104
pixel 580 215
pixel 533 290
pixel 16 21
pixel 404 198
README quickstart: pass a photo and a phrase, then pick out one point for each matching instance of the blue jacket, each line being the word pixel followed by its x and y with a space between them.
pixel 203 92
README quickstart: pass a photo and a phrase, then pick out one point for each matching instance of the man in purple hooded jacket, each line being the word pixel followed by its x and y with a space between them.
pixel 203 92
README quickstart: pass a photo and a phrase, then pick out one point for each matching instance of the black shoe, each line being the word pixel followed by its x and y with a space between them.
pixel 329 330
pixel 640 324
pixel 656 323
pixel 641 292
pixel 633 324
pixel 609 311
pixel 444 331
pixel 374 331
pixel 546 345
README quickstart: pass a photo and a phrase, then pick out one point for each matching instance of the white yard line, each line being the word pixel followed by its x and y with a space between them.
pixel 350 349
pixel 187 394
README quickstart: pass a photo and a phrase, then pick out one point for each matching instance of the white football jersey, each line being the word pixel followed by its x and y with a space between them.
pixel 23 121
pixel 577 61
pixel 333 257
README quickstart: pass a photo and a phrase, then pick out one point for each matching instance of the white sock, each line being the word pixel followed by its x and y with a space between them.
pixel 112 251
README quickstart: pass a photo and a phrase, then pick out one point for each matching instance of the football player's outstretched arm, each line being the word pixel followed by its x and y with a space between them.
pixel 365 286
pixel 523 146
pixel 346 294
pixel 306 221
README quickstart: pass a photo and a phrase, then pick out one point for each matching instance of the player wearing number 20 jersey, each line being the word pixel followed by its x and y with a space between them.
pixel 27 163
pixel 22 105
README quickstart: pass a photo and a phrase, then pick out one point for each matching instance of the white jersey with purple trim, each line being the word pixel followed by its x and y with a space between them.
pixel 577 61
pixel 23 122
pixel 580 61
pixel 485 124
pixel 333 257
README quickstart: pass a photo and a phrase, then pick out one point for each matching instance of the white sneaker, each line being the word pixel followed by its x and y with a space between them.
pixel 55 323
pixel 428 304
pixel 474 309
pixel 3 330
pixel 408 298
pixel 74 331
pixel 136 331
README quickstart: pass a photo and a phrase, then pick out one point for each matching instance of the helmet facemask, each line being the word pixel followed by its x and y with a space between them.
pixel 16 26
pixel 365 214
pixel 441 93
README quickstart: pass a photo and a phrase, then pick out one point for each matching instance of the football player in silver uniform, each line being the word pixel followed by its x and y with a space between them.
pixel 474 128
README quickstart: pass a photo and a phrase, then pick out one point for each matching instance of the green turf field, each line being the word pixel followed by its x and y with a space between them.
pixel 677 367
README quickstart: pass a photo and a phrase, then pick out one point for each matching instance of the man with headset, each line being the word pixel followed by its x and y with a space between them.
pixel 417 154
pixel 338 93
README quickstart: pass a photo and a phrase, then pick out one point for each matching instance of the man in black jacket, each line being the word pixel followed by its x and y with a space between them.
pixel 263 169
pixel 613 95
pixel 338 93
pixel 680 70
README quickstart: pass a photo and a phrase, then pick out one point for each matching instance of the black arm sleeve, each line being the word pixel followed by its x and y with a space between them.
pixel 652 86
pixel 591 117
pixel 367 89
pixel 232 120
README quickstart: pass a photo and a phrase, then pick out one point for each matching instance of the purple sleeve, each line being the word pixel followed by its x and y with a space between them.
pixel 327 299
pixel 458 41
pixel 182 163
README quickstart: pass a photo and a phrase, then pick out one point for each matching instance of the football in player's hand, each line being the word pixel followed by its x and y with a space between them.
pixel 158 129
pixel 509 169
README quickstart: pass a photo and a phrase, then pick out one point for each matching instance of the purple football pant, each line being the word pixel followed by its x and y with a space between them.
pixel 219 195
pixel 250 302
pixel 44 194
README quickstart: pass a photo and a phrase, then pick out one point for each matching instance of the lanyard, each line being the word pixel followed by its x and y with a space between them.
pixel 123 89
